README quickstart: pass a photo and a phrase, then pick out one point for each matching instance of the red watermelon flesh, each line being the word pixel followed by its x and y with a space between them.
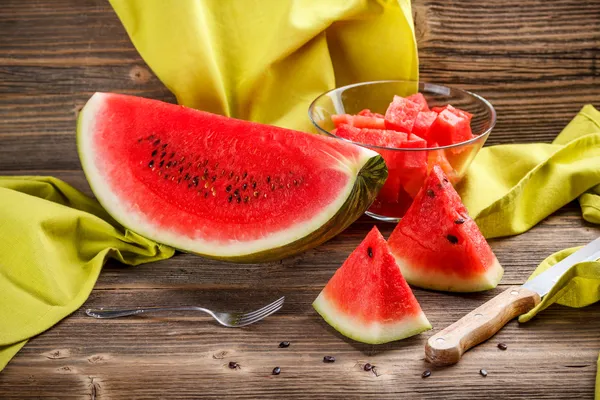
pixel 438 157
pixel 368 300
pixel 438 246
pixel 419 99
pixel 401 114
pixel 359 121
pixel 368 113
pixel 450 128
pixel 218 186
pixel 423 123
pixel 456 111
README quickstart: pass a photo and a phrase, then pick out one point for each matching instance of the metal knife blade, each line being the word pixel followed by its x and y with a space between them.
pixel 544 281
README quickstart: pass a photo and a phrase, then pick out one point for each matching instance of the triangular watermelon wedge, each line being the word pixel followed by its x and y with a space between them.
pixel 368 300
pixel 438 246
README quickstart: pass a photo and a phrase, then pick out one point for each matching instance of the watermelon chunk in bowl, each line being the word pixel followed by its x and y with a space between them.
pixel 443 126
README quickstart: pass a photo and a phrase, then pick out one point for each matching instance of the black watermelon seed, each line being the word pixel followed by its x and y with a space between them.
pixel 452 239
pixel 236 192
pixel 195 180
pixel 214 178
pixel 228 188
pixel 163 154
pixel 426 374
pixel 230 198
pixel 483 372
pixel 430 193
pixel 446 180
pixel 370 252
pixel 161 163
pixel 205 194
pixel 244 186
pixel 151 164
pixel 231 175
pixel 502 346
pixel 169 164
pixel 154 152
pixel 164 146
pixel 156 142
pixel 181 170
pixel 459 221
pixel 244 175
pixel 187 176
pixel 172 155
pixel 253 185
pixel 233 365
pixel 329 359
pixel 368 367
pixel 268 179
pixel 284 345
pixel 239 200
pixel 276 371
pixel 245 199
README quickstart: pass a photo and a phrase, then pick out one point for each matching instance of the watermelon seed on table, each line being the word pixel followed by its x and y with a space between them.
pixel 426 374
pixel 502 346
pixel 276 371
pixel 283 345
pixel 329 359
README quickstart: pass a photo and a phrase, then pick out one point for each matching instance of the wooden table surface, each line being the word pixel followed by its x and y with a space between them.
pixel 536 60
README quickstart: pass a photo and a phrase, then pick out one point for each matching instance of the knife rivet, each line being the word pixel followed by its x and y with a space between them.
pixel 514 292
pixel 440 340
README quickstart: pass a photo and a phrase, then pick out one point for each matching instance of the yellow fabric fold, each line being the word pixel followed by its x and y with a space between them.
pixel 55 240
pixel 266 60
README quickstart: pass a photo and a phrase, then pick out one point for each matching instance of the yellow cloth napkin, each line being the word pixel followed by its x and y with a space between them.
pixel 266 60
pixel 55 240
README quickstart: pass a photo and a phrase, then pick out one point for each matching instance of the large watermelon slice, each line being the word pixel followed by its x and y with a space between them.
pixel 221 187
pixel 368 300
pixel 438 246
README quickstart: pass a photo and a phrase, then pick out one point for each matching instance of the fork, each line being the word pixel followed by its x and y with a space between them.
pixel 231 320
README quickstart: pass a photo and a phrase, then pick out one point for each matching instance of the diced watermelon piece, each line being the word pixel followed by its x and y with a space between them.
pixel 358 121
pixel 438 246
pixel 438 157
pixel 419 99
pixel 423 123
pixel 368 300
pixel 456 111
pixel 368 113
pixel 413 165
pixel 401 114
pixel 449 128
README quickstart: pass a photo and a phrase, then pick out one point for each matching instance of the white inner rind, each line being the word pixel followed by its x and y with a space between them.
pixel 370 332
pixel 131 216
pixel 433 278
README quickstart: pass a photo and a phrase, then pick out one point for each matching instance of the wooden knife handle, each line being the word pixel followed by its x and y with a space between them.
pixel 447 346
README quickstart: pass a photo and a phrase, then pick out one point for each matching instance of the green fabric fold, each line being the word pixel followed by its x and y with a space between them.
pixel 55 242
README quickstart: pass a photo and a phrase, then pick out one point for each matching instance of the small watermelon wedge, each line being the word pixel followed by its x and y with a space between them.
pixel 368 300
pixel 221 187
pixel 438 246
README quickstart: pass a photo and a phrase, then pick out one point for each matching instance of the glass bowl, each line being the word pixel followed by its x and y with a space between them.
pixel 403 183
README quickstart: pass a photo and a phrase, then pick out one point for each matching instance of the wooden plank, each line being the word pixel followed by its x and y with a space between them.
pixel 187 355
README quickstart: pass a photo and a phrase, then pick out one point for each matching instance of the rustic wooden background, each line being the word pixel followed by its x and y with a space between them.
pixel 536 60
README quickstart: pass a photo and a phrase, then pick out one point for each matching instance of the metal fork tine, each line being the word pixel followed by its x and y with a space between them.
pixel 248 321
pixel 261 310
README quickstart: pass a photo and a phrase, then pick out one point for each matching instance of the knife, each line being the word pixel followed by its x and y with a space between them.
pixel 447 346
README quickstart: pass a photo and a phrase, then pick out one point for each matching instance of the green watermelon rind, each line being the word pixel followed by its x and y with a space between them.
pixel 422 277
pixel 367 183
pixel 341 322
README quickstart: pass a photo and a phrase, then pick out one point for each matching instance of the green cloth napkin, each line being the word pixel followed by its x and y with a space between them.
pixel 54 242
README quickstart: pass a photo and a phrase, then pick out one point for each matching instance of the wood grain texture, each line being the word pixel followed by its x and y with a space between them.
pixel 448 345
pixel 536 60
